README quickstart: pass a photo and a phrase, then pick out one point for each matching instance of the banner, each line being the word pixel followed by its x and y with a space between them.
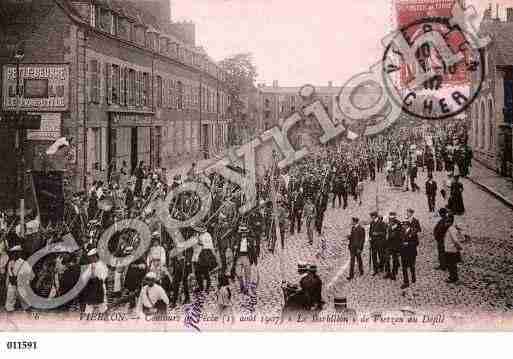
pixel 49 195
pixel 44 87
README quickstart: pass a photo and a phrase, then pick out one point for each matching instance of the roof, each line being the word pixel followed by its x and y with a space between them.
pixel 295 90
pixel 501 33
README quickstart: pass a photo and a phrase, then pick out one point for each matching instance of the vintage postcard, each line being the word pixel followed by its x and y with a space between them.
pixel 261 166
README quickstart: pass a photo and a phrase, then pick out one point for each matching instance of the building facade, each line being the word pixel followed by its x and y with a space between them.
pixel 135 87
pixel 491 115
pixel 277 102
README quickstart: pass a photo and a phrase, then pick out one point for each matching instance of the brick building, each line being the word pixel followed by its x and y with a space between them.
pixel 134 85
pixel 491 115
pixel 278 102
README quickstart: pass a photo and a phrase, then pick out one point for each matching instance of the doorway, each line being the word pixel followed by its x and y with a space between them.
pixel 133 148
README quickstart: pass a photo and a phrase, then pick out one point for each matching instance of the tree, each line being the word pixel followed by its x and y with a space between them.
pixel 240 78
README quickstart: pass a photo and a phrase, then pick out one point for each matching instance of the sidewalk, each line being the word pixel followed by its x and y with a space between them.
pixel 491 182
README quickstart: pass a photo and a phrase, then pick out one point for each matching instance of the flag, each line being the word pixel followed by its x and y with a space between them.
pixel 58 145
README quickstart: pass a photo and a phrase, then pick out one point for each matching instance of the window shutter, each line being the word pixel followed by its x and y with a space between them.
pixel 122 85
pixel 137 88
pixel 108 83
pixel 90 71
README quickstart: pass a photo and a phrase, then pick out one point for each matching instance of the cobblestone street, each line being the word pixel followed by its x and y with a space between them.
pixel 486 274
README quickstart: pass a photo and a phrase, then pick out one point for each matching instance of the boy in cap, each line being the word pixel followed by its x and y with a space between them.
pixel 152 298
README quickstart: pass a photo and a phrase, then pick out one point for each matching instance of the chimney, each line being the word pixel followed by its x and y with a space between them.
pixel 275 83
pixel 509 14
pixel 160 9
pixel 330 84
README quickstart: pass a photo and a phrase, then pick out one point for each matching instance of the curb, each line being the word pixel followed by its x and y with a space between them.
pixel 491 191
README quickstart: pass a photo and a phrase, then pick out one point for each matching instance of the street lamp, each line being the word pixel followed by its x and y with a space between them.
pixel 19 56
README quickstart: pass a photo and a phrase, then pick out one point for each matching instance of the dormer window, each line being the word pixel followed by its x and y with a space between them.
pixel 104 19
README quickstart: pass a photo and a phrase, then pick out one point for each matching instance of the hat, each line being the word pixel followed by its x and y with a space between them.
pixel 128 249
pixel 301 266
pixel 410 210
pixel 16 249
pixel 392 214
pixel 151 275
pixel 92 252
pixel 355 219
pixel 374 214
pixel 340 303
pixel 200 228
pixel 243 229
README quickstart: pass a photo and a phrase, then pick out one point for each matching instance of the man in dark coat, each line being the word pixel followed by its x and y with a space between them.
pixel 392 246
pixel 409 244
pixel 340 189
pixel 182 268
pixel 296 210
pixel 439 234
pixel 316 288
pixel 431 189
pixel 377 234
pixel 321 204
pixel 356 242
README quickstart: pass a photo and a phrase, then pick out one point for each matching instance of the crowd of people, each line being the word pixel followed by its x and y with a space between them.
pixel 227 246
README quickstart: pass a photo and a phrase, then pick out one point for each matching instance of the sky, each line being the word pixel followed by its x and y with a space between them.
pixel 297 41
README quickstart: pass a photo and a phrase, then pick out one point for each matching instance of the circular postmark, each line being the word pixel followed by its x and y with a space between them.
pixel 431 70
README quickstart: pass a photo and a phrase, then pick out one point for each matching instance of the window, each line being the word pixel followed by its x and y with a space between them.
pixel 164 49
pixel 131 87
pixel 179 97
pixel 491 125
pixel 123 28
pixel 108 83
pixel 139 35
pixel 114 25
pixel 93 16
pixel 97 136
pixel 482 126
pixel 94 81
pixel 146 100
pixel 123 86
pixel 159 91
pixel 115 88
pixel 104 19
